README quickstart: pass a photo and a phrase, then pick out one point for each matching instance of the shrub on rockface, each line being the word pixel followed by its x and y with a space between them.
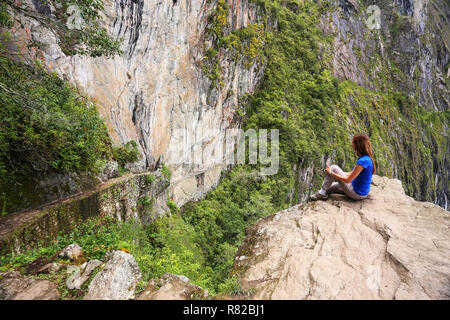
pixel 244 45
pixel 317 116
pixel 127 153
pixel 77 25
pixel 47 128
pixel 45 125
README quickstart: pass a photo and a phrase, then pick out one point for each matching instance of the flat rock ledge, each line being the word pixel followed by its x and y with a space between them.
pixel 388 246
pixel 15 286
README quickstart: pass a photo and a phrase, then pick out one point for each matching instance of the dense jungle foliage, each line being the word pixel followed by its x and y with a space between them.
pixel 316 115
pixel 46 124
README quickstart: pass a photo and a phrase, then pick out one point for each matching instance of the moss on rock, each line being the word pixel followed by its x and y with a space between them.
pixel 119 199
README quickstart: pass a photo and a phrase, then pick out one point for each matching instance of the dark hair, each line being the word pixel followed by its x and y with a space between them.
pixel 362 146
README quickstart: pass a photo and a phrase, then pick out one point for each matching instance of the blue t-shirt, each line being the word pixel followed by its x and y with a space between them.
pixel 361 184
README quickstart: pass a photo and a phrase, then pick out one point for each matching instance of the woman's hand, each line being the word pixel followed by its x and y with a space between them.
pixel 347 177
pixel 327 170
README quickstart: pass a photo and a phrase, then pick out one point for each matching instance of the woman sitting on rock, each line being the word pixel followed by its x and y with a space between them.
pixel 356 184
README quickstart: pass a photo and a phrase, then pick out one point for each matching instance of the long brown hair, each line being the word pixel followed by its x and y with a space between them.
pixel 361 144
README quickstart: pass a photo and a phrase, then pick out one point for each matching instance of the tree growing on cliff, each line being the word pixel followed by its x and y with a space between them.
pixel 76 24
pixel 46 125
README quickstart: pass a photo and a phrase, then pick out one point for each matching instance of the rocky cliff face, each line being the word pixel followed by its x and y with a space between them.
pixel 388 246
pixel 157 86
pixel 409 49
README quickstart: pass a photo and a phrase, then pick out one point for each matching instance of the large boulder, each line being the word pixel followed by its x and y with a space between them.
pixel 388 246
pixel 172 287
pixel 15 286
pixel 117 280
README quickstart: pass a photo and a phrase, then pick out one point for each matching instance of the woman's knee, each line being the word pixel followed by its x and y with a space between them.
pixel 335 168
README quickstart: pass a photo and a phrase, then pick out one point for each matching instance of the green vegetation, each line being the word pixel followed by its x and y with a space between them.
pixel 316 116
pixel 4 200
pixel 78 25
pixel 145 205
pixel 166 173
pixel 242 198
pixel 94 236
pixel 150 178
pixel 167 245
pixel 46 125
pixel 126 154
pixel 172 206
pixel 246 44
pixel 5 17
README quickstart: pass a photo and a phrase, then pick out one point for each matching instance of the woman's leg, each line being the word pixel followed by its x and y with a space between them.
pixel 336 188
pixel 329 180
pixel 350 192
pixel 331 185
pixel 346 188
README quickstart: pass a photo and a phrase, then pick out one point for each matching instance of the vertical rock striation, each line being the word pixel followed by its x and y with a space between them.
pixel 409 52
pixel 157 86
pixel 410 49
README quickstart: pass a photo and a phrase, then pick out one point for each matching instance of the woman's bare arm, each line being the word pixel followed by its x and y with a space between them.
pixel 349 177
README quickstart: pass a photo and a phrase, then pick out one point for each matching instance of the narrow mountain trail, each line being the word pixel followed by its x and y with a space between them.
pixel 14 221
